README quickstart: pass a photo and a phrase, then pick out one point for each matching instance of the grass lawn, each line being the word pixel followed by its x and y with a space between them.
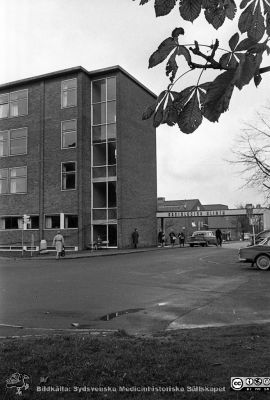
pixel 122 366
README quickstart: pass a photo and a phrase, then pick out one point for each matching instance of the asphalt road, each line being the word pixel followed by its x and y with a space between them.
pixel 150 291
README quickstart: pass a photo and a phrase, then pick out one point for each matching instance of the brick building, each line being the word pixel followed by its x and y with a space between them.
pixel 75 155
pixel 190 215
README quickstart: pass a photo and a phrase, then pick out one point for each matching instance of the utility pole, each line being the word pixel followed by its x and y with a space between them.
pixel 26 221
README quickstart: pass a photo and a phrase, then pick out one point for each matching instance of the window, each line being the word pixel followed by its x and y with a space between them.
pixel 69 134
pixel 3 181
pixel 12 223
pixel 104 110
pixel 17 222
pixel 52 221
pixel 71 221
pixel 18 102
pixel 68 176
pixel 111 88
pixel 18 180
pixel 69 93
pixel 13 142
pixel 104 197
pixel 4 105
pixel 99 91
pixel 13 180
pixel 14 104
pixel 34 222
pixel 4 143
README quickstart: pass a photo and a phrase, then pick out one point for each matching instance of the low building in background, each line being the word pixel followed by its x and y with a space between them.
pixel 189 216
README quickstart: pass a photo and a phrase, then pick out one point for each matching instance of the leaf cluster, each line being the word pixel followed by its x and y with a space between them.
pixel 239 64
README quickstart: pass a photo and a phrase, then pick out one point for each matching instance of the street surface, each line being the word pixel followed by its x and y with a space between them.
pixel 151 291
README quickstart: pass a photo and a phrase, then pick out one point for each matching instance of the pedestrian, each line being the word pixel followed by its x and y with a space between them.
pixel 135 238
pixel 181 237
pixel 219 237
pixel 160 238
pixel 172 238
pixel 163 239
pixel 58 243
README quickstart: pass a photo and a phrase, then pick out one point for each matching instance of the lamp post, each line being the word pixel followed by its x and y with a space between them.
pixel 185 208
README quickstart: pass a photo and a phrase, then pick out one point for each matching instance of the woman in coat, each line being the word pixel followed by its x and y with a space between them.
pixel 58 243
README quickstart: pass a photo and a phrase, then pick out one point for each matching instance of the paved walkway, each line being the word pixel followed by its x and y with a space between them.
pixel 112 252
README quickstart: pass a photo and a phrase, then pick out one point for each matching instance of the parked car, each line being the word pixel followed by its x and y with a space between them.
pixel 202 238
pixel 258 255
pixel 260 236
pixel 247 236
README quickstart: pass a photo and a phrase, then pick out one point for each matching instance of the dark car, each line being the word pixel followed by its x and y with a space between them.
pixel 261 235
pixel 258 255
pixel 202 238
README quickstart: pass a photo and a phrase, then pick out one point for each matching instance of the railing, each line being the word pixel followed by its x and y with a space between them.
pixel 98 245
pixel 33 248
pixel 18 248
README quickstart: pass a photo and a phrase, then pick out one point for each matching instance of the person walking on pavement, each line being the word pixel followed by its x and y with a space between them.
pixel 181 237
pixel 58 243
pixel 135 238
pixel 172 238
pixel 219 237
pixel 163 239
pixel 160 238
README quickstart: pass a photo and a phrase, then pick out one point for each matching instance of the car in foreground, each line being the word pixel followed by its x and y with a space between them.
pixel 258 254
pixel 202 238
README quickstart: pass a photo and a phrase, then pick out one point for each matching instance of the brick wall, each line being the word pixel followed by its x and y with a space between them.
pixel 136 165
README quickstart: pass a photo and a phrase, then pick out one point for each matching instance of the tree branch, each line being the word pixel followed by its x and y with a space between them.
pixel 264 69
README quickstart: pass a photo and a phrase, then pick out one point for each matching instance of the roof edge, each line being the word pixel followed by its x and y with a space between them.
pixel 43 76
pixel 77 69
pixel 121 69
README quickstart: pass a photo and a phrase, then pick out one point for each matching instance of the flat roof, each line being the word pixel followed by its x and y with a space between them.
pixel 115 68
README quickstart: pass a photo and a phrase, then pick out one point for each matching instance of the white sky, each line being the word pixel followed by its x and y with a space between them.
pixel 41 36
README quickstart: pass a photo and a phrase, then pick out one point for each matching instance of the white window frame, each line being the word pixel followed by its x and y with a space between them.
pixel 76 173
pixel 9 142
pixel 9 178
pixel 62 122
pixel 52 215
pixel 12 101
pixel 62 91
pixel 73 215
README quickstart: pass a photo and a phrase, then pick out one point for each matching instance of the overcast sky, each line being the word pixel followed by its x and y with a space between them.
pixel 41 36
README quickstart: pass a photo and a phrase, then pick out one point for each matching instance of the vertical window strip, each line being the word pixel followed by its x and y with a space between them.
pixel 98 141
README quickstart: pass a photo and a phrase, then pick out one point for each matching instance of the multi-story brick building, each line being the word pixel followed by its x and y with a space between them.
pixel 75 155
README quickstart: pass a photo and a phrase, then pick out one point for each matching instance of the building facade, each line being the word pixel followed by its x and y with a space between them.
pixel 190 215
pixel 75 155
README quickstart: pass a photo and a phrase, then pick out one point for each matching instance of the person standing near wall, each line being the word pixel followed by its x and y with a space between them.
pixel 160 238
pixel 135 238
pixel 219 237
pixel 58 243
pixel 172 238
pixel 181 237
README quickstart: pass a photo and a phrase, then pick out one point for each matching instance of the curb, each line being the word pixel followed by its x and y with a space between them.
pixel 104 253
pixel 88 254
